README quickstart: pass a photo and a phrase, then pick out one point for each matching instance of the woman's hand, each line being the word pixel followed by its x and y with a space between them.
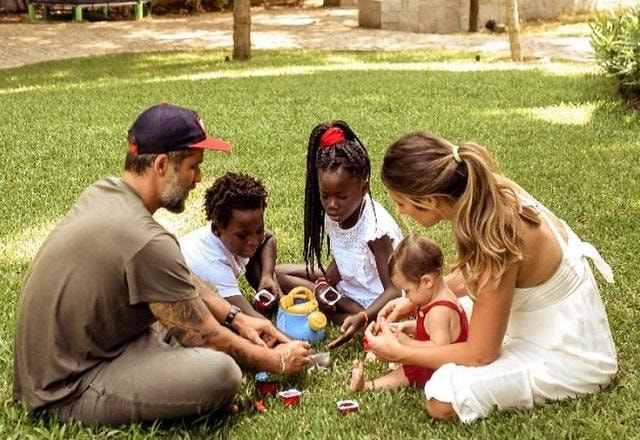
pixel 396 310
pixel 349 327
pixel 258 330
pixel 383 342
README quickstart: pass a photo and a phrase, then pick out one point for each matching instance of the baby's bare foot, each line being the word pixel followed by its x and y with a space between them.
pixel 357 376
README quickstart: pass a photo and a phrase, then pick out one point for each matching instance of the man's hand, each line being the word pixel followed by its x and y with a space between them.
pixel 396 309
pixel 295 355
pixel 258 330
pixel 349 327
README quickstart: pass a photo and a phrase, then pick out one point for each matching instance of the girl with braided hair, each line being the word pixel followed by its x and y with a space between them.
pixel 235 241
pixel 539 330
pixel 359 232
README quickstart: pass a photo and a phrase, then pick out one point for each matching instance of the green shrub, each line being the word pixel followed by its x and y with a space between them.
pixel 616 42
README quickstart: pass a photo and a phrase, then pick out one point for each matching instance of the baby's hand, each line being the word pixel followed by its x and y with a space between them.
pixel 383 342
pixel 406 327
pixel 396 309
pixel 376 326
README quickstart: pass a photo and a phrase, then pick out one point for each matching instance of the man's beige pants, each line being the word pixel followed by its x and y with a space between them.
pixel 154 380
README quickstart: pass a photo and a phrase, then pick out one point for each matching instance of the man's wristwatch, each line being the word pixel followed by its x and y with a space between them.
pixel 233 311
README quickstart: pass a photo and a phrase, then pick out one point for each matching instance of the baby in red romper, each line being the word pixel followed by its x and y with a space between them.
pixel 416 268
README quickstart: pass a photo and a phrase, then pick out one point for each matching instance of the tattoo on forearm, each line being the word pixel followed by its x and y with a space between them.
pixel 185 320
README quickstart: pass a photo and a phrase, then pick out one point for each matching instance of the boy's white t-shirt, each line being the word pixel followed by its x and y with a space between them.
pixel 208 258
pixel 350 248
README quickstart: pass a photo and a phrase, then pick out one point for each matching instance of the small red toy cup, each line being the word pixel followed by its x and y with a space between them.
pixel 290 397
pixel 265 386
pixel 346 407
pixel 264 300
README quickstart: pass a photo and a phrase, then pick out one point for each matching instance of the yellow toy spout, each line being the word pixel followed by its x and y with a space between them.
pixel 317 320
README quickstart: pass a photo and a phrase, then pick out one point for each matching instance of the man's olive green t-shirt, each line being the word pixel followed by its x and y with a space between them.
pixel 85 296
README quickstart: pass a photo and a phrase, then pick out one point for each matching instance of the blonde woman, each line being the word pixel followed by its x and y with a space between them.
pixel 539 330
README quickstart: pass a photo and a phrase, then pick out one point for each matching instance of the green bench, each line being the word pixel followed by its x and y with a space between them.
pixel 79 5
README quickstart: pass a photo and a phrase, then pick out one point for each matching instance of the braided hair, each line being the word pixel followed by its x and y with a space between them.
pixel 233 191
pixel 348 153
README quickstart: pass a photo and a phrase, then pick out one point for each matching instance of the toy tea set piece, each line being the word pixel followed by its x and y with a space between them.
pixel 265 300
pixel 265 386
pixel 259 405
pixel 290 397
pixel 298 316
pixel 369 355
pixel 319 362
pixel 322 359
pixel 346 407
pixel 330 296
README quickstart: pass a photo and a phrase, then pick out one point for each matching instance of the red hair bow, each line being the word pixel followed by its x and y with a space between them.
pixel 332 136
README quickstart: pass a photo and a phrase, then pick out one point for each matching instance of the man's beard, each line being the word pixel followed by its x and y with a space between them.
pixel 174 195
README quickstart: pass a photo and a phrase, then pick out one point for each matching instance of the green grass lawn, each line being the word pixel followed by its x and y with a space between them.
pixel 556 129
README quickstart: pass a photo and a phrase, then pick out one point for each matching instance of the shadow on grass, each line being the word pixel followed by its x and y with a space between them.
pixel 160 65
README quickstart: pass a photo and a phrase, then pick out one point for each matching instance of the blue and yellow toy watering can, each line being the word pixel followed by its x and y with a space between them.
pixel 298 316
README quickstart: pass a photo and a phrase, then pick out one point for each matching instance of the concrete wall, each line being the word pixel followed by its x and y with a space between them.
pixel 450 16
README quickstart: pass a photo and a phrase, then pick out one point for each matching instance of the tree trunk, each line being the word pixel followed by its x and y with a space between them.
pixel 241 29
pixel 513 22
pixel 474 11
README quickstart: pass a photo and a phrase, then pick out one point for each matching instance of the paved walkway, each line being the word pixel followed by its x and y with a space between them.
pixel 303 28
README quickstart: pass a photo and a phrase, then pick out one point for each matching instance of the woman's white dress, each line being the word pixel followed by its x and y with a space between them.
pixel 558 342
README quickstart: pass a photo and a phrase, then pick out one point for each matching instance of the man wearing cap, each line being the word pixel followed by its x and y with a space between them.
pixel 88 346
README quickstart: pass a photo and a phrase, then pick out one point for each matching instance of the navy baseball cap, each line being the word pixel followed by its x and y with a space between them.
pixel 165 127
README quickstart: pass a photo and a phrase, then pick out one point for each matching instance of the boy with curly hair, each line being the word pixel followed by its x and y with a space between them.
pixel 235 241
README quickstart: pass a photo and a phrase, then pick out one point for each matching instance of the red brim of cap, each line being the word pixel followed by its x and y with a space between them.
pixel 211 143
